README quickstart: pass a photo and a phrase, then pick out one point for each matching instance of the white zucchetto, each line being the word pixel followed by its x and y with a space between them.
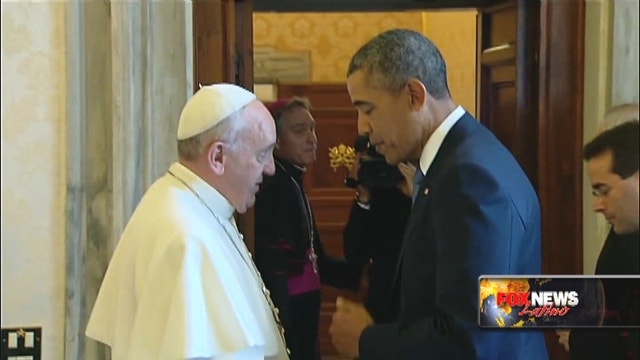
pixel 210 105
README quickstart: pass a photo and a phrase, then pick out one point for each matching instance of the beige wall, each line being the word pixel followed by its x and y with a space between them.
pixel 33 169
pixel 610 78
pixel 332 38
pixel 597 90
pixel 454 32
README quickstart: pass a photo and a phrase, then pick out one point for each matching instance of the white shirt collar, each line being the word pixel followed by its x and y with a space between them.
pixel 212 197
pixel 435 141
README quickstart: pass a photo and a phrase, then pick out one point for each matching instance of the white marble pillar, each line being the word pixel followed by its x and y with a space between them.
pixel 129 74
pixel 597 61
pixel 151 82
pixel 624 67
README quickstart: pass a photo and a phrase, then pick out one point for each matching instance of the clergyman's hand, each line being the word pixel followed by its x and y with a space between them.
pixel 347 324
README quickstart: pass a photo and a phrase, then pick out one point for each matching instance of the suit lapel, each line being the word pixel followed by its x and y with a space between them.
pixel 458 133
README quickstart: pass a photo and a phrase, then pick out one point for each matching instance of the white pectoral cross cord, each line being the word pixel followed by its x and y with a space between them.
pixel 247 259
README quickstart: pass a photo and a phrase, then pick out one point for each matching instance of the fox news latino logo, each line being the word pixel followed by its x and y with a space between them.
pixel 540 303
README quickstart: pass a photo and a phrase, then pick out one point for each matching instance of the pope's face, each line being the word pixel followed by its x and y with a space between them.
pixel 252 158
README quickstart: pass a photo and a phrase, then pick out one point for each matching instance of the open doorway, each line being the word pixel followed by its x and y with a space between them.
pixel 552 95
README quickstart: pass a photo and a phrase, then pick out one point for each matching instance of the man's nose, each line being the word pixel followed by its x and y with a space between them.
pixel 313 137
pixel 270 167
pixel 364 127
pixel 598 205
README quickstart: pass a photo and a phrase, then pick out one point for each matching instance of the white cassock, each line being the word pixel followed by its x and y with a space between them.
pixel 178 288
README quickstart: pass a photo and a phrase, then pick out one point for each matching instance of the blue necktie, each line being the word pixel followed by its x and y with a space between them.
pixel 417 179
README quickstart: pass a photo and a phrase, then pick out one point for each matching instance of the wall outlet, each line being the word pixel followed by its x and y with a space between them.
pixel 21 343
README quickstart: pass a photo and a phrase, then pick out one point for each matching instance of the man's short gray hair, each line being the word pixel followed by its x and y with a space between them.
pixel 227 131
pixel 395 56
pixel 292 103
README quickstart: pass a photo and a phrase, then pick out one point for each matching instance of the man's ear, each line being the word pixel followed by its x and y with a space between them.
pixel 216 157
pixel 417 94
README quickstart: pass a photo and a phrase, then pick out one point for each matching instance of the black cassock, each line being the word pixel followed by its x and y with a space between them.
pixel 620 255
pixel 284 225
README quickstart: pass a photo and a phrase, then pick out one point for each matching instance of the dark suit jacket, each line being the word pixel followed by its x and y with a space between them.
pixel 619 256
pixel 372 238
pixel 479 216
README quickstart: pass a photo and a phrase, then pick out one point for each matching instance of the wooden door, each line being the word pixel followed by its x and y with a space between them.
pixel 514 88
pixel 508 80
pixel 559 128
pixel 223 52
pixel 223 42
pixel 546 92
pixel 336 124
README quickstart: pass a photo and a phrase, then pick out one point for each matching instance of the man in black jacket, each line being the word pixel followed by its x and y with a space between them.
pixel 288 251
pixel 373 233
pixel 612 166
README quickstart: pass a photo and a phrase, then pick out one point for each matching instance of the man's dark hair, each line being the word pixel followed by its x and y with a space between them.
pixel 395 56
pixel 623 141
pixel 280 107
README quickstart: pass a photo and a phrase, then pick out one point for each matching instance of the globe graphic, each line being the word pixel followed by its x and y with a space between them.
pixel 589 311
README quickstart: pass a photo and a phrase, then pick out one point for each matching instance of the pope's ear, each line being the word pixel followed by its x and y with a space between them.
pixel 417 93
pixel 215 157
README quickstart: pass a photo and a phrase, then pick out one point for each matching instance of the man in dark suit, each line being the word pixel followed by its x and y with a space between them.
pixel 475 211
pixel 373 233
pixel 612 167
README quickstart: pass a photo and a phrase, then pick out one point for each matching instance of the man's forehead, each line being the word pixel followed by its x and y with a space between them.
pixel 359 80
pixel 301 121
pixel 602 160
pixel 363 91
pixel 298 115
pixel 600 169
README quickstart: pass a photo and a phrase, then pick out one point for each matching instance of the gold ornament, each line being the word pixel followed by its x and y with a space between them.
pixel 341 155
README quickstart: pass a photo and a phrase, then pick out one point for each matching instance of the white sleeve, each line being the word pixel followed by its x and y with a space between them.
pixel 252 353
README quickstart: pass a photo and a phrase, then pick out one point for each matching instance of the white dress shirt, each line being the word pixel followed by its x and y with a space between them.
pixel 432 146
